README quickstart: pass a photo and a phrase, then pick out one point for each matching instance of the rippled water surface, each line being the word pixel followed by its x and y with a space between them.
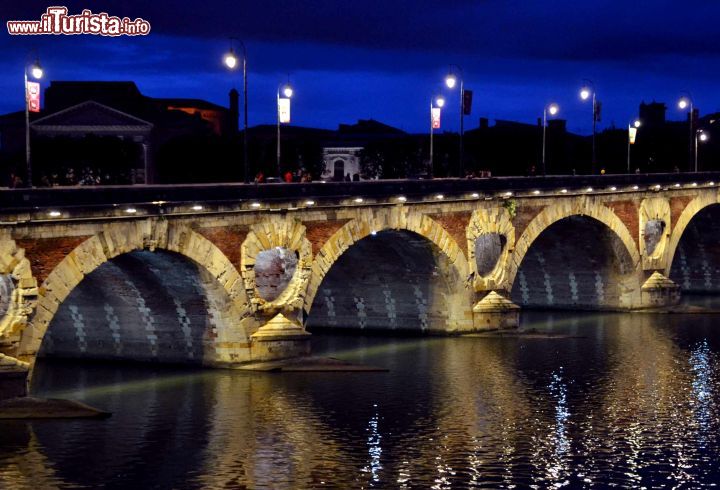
pixel 615 400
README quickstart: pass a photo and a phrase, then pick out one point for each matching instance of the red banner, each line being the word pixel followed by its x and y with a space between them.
pixel 33 96
pixel 435 117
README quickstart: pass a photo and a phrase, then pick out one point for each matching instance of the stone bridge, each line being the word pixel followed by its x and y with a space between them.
pixel 229 274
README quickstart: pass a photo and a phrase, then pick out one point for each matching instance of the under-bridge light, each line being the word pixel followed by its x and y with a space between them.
pixel 613 188
pixel 159 203
pixel 635 187
pixel 563 191
pixel 255 205
pixel 536 192
pixel 589 189
pixel 309 203
pixel 711 183
pixel 131 210
pixel 475 195
pixel 507 194
pixel 694 184
pixel 402 198
pixel 373 233
pixel 439 196
pixel 197 207
pixel 358 200
pixel 656 187
pixel 54 214
pixel 676 185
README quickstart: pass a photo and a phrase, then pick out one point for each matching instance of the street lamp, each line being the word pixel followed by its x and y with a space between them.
pixel 701 136
pixel 586 92
pixel 454 76
pixel 553 110
pixel 686 102
pixel 436 103
pixel 632 134
pixel 231 61
pixel 283 114
pixel 36 72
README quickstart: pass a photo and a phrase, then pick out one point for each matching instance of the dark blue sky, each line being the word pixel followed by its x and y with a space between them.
pixel 384 59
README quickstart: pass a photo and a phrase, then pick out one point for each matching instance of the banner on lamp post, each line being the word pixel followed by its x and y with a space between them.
pixel 467 102
pixel 435 117
pixel 284 110
pixel 33 96
pixel 632 134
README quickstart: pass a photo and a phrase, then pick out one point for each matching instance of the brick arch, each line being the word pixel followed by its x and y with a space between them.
pixel 691 210
pixel 369 220
pixel 116 239
pixel 556 212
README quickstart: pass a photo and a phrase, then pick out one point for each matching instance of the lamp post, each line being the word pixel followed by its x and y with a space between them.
pixel 686 102
pixel 587 91
pixel 454 77
pixel 701 136
pixel 231 62
pixel 287 92
pixel 552 109
pixel 438 102
pixel 631 138
pixel 36 72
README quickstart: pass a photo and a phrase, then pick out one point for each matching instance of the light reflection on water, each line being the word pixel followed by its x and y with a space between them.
pixel 621 400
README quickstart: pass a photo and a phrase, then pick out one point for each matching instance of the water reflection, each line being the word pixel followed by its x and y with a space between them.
pixel 623 400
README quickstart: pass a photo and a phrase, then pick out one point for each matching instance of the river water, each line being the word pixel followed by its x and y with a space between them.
pixel 591 400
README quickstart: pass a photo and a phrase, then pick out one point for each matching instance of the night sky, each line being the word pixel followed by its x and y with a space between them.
pixel 384 59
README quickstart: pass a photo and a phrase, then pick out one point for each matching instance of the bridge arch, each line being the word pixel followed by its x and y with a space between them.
pixel 605 221
pixel 369 222
pixel 118 239
pixel 698 204
pixel 698 270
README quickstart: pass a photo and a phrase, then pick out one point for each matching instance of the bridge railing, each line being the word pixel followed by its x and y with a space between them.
pixel 39 200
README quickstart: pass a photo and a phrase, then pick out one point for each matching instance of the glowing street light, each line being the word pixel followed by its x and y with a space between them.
pixel 687 102
pixel 36 72
pixel 452 79
pixel 231 61
pixel 632 134
pixel 553 109
pixel 283 114
pixel 701 136
pixel 587 92
pixel 436 105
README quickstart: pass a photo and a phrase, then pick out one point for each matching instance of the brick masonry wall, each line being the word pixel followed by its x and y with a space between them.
pixel 46 253
pixel 677 206
pixel 524 215
pixel 455 224
pixel 228 239
pixel 628 211
pixel 318 232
